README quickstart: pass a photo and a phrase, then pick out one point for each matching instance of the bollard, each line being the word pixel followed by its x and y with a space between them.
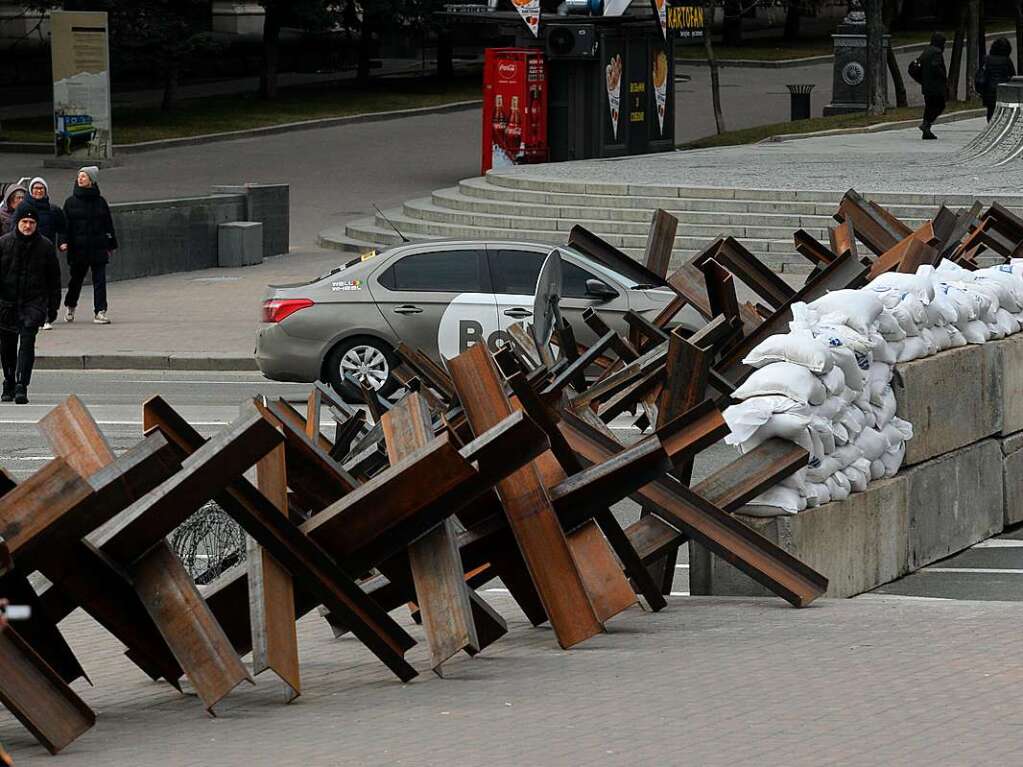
pixel 800 100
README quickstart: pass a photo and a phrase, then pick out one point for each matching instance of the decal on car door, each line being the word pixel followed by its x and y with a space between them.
pixel 465 322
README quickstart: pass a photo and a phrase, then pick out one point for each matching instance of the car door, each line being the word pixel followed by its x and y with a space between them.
pixel 514 272
pixel 438 300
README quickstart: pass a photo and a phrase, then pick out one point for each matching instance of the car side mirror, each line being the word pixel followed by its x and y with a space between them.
pixel 600 289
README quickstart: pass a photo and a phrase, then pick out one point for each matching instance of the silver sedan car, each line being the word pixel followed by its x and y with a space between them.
pixel 438 296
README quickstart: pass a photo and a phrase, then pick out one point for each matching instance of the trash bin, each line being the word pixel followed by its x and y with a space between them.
pixel 800 95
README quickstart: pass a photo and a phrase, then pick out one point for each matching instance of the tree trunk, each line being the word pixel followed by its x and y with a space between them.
pixel 445 51
pixel 981 34
pixel 793 16
pixel 1019 36
pixel 972 38
pixel 876 69
pixel 170 86
pixel 712 64
pixel 956 63
pixel 732 28
pixel 271 50
pixel 365 51
pixel 900 84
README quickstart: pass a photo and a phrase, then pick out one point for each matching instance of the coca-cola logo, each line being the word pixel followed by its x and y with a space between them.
pixel 507 70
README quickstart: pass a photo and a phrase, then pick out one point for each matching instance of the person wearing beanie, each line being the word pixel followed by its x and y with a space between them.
pixel 997 68
pixel 29 297
pixel 12 199
pixel 929 70
pixel 52 224
pixel 90 240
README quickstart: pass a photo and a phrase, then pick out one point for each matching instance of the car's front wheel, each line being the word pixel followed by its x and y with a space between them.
pixel 366 360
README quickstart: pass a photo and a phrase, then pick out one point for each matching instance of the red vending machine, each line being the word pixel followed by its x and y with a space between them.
pixel 514 108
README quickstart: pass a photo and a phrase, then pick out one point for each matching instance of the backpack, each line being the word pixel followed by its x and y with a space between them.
pixel 980 79
pixel 916 71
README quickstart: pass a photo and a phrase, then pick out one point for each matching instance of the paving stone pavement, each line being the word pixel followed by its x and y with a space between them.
pixel 889 161
pixel 708 681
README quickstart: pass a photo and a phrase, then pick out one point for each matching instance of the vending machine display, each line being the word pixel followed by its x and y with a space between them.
pixel 514 108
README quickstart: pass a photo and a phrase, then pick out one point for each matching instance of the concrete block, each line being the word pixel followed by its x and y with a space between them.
pixel 953 399
pixel 955 501
pixel 1012 488
pixel 240 243
pixel 270 204
pixel 1012 443
pixel 859 544
pixel 1011 363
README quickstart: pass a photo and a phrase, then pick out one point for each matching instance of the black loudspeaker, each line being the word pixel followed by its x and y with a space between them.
pixel 570 41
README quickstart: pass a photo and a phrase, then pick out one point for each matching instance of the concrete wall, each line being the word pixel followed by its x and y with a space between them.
pixel 180 235
pixel 962 482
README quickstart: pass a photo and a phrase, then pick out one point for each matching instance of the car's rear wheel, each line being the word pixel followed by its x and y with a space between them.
pixel 367 360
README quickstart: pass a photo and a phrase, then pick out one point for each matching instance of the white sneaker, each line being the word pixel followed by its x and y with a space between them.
pixel 101 318
pixel 69 314
pixel 46 326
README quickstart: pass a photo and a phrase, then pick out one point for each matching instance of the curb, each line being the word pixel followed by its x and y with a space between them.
pixel 806 61
pixel 204 362
pixel 269 130
pixel 966 114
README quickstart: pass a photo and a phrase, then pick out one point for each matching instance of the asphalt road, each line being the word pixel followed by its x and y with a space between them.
pixel 209 401
pixel 337 173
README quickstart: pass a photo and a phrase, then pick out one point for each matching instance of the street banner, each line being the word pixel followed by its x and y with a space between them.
pixel 661 10
pixel 529 10
pixel 81 85
pixel 660 80
pixel 615 7
pixel 613 79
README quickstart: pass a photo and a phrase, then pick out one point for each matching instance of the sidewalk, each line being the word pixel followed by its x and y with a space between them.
pixel 227 87
pixel 205 320
pixel 869 681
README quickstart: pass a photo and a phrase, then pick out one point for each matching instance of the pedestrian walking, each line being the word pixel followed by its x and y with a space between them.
pixel 29 296
pixel 52 224
pixel 12 199
pixel 997 68
pixel 90 242
pixel 929 70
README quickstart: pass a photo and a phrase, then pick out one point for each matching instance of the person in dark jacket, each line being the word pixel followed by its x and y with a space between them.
pixel 52 224
pixel 12 199
pixel 29 296
pixel 933 82
pixel 90 242
pixel 997 68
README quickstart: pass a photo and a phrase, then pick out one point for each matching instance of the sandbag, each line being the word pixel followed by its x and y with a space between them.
pixel 784 378
pixel 799 347
pixel 856 309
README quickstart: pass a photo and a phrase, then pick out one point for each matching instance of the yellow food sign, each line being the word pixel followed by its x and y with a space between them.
pixel 686 21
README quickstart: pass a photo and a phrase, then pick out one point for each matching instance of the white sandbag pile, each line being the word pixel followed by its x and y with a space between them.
pixel 826 384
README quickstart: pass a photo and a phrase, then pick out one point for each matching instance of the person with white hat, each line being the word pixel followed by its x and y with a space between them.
pixel 90 242
pixel 52 224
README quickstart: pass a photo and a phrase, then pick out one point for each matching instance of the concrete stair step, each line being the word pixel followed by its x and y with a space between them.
pixel 365 234
pixel 482 188
pixel 522 179
pixel 425 210
pixel 416 227
pixel 730 222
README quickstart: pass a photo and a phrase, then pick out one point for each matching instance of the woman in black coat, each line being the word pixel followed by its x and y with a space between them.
pixel 52 224
pixel 90 241
pixel 998 68
pixel 29 296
